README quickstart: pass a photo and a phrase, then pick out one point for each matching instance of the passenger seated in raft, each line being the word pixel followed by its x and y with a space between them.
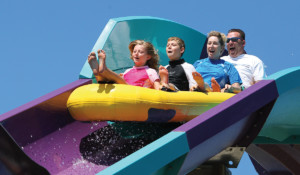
pixel 215 71
pixel 179 74
pixel 144 72
pixel 250 67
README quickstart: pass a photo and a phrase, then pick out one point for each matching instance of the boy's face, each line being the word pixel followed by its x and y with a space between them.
pixel 173 50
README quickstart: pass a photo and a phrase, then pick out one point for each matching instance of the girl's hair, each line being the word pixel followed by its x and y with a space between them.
pixel 153 61
pixel 221 36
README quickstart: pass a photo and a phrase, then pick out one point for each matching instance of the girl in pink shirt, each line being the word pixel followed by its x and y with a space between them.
pixel 144 72
pixel 131 136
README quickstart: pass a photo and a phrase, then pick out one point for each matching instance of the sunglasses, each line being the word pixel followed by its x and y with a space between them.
pixel 233 39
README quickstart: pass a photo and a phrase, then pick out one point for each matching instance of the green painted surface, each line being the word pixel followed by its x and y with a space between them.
pixel 284 121
pixel 119 32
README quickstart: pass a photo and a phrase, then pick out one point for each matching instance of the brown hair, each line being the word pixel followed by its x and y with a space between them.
pixel 179 41
pixel 241 32
pixel 153 61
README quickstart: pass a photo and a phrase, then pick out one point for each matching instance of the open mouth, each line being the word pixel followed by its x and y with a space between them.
pixel 231 48
pixel 211 51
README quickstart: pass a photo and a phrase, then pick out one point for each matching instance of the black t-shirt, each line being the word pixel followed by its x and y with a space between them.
pixel 177 75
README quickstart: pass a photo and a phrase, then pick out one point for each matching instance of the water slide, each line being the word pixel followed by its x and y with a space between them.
pixel 41 137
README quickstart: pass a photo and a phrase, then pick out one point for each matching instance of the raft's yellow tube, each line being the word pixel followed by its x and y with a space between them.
pixel 132 103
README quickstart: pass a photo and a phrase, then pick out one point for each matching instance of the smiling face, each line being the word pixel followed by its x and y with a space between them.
pixel 235 48
pixel 174 51
pixel 214 48
pixel 140 55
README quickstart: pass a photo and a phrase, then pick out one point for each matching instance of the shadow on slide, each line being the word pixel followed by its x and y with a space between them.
pixel 13 160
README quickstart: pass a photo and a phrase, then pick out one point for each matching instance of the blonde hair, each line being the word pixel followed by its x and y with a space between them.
pixel 179 41
pixel 153 61
pixel 221 37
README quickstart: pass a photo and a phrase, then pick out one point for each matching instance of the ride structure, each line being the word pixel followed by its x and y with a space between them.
pixel 42 137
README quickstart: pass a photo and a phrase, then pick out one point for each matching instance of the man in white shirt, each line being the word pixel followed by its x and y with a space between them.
pixel 250 67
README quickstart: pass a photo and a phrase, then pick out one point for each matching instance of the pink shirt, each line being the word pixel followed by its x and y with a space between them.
pixel 141 76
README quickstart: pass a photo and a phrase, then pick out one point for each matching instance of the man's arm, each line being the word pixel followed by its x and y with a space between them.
pixel 259 71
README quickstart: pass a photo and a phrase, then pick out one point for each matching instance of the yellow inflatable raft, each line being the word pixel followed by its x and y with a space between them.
pixel 117 102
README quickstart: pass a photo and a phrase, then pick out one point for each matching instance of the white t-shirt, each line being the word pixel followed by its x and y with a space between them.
pixel 250 68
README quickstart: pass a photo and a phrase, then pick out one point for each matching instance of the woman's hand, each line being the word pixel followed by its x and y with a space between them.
pixel 234 88
pixel 226 88
pixel 193 87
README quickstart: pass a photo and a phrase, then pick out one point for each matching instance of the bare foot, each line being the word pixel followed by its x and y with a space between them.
pixel 93 63
pixel 164 75
pixel 215 85
pixel 199 80
pixel 101 57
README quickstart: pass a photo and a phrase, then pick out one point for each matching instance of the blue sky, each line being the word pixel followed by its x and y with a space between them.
pixel 43 44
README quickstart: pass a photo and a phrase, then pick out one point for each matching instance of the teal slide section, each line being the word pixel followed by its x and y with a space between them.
pixel 283 123
pixel 119 32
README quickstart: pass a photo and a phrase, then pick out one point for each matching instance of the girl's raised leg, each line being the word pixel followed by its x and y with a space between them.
pixel 95 66
pixel 107 73
pixel 101 57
